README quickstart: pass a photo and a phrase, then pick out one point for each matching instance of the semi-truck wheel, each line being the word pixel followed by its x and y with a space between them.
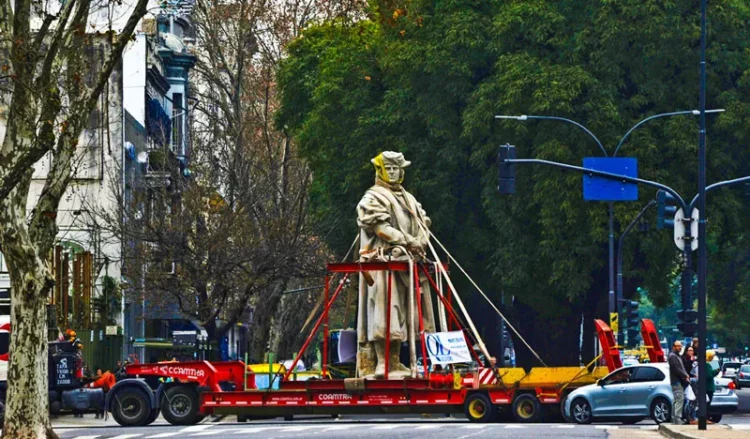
pixel 152 417
pixel 131 407
pixel 478 408
pixel 179 405
pixel 526 408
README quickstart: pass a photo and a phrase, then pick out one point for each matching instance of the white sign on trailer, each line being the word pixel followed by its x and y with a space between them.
pixel 447 347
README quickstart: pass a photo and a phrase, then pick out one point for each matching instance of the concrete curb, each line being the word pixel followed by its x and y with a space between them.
pixel 669 430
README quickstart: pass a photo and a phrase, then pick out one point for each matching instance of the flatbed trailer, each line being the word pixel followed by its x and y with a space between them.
pixel 205 388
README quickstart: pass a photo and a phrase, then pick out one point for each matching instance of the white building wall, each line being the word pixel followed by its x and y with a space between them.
pixel 97 180
pixel 134 78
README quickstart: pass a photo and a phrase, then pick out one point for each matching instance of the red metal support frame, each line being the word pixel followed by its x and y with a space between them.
pixel 316 327
pixel 609 346
pixel 359 267
pixel 448 295
pixel 388 323
pixel 452 315
pixel 418 292
pixel 324 367
pixel 651 341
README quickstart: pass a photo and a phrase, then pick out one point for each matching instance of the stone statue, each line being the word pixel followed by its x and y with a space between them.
pixel 389 220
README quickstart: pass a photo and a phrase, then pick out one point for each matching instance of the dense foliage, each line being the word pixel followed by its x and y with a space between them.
pixel 427 77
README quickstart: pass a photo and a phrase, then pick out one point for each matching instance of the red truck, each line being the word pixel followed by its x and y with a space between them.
pixel 483 394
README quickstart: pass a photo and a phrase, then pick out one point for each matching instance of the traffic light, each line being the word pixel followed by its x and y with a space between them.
pixel 666 205
pixel 631 314
pixel 632 321
pixel 507 171
pixel 688 322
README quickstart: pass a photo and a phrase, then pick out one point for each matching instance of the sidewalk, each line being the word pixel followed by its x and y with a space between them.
pixel 714 431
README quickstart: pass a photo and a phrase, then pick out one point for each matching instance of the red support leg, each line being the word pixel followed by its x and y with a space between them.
pixel 388 323
pixel 451 313
pixel 324 368
pixel 317 326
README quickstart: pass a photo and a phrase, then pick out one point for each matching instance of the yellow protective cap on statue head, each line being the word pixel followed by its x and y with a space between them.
pixel 389 158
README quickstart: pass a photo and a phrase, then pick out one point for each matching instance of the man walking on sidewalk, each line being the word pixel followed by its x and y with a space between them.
pixel 679 378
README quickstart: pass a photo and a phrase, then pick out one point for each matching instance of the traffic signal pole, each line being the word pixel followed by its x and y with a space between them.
pixel 702 254
pixel 620 245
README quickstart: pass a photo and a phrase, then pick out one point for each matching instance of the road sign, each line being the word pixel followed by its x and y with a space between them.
pixel 613 322
pixel 679 230
pixel 605 189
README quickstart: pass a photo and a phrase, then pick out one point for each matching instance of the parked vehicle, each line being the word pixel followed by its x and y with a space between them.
pixel 729 369
pixel 632 394
pixel 629 394
pixel 742 378
pixel 66 388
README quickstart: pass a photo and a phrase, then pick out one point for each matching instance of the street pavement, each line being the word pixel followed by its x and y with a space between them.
pixel 371 426
pixel 396 428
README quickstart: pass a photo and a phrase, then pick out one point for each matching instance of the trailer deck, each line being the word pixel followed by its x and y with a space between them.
pixel 201 388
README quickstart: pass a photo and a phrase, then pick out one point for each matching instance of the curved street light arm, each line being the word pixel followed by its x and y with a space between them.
pixel 525 117
pixel 716 186
pixel 674 113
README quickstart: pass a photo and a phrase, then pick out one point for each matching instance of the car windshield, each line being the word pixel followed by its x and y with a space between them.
pixel 726 366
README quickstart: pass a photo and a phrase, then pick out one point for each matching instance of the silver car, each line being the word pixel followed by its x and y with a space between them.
pixel 742 378
pixel 629 394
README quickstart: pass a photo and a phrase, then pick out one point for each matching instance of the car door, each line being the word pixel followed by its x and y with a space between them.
pixel 643 383
pixel 609 398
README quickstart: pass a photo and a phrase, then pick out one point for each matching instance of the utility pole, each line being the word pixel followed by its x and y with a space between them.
pixel 702 254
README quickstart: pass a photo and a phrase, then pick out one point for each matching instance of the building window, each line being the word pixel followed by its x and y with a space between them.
pixel 178 113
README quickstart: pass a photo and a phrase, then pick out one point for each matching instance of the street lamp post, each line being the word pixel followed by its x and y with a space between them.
pixel 613 305
pixel 702 254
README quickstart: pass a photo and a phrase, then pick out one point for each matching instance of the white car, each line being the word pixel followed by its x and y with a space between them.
pixel 725 399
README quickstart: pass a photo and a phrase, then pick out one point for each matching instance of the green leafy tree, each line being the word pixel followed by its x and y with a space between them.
pixel 427 77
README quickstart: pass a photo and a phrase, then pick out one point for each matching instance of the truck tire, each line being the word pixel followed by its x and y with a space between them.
pixel 526 408
pixel 131 407
pixel 152 417
pixel 479 408
pixel 179 405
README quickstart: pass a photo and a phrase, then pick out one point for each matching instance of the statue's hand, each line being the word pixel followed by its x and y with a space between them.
pixel 415 249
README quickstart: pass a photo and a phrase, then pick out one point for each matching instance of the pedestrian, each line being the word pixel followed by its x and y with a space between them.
pixel 690 361
pixel 678 378
pixel 711 373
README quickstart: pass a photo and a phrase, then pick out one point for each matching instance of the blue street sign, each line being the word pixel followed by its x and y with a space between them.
pixel 605 189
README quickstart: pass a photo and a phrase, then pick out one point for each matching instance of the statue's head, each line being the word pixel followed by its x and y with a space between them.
pixel 389 166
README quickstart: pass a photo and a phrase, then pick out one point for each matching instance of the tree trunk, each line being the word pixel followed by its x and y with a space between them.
pixel 265 310
pixel 27 399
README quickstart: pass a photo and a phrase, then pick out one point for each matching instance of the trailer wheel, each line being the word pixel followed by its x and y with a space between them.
pixel 526 408
pixel 153 416
pixel 180 405
pixel 478 408
pixel 131 407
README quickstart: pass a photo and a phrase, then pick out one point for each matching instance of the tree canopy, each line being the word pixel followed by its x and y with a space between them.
pixel 427 78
